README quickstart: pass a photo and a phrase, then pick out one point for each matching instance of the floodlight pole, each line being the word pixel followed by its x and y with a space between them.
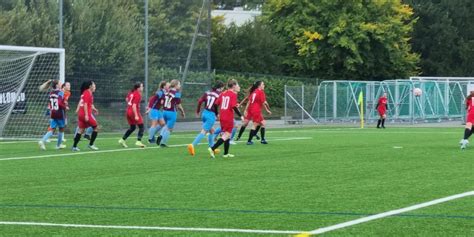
pixel 61 24
pixel 146 57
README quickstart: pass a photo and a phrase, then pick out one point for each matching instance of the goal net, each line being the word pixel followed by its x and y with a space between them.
pixel 23 106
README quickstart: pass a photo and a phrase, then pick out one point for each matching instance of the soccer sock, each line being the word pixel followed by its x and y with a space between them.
pixel 77 138
pixel 262 133
pixel 378 123
pixel 166 135
pixel 217 131
pixel 151 133
pixel 47 136
pixel 467 133
pixel 141 130
pixel 128 132
pixel 383 122
pixel 218 143
pixel 198 138
pixel 226 146
pixel 234 130
pixel 89 131
pixel 93 137
pixel 77 131
pixel 210 139
pixel 60 138
pixel 252 133
pixel 241 131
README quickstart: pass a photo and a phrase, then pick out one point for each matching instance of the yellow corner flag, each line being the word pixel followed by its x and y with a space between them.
pixel 360 101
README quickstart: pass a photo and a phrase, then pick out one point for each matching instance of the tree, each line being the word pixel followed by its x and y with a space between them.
pixel 338 39
pixel 443 36
pixel 251 47
pixel 32 24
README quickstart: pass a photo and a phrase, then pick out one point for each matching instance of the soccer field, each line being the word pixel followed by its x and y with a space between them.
pixel 303 180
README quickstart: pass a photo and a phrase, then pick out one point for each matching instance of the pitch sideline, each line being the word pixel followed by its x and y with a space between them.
pixel 123 149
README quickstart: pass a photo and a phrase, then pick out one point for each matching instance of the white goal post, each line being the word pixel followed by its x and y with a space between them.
pixel 22 104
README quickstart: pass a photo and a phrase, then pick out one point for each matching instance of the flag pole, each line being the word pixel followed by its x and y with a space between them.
pixel 361 104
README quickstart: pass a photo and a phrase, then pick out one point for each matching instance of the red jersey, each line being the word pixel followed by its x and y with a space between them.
pixel 256 100
pixel 382 105
pixel 227 101
pixel 209 98
pixel 88 99
pixel 469 104
pixel 172 98
pixel 133 97
pixel 57 105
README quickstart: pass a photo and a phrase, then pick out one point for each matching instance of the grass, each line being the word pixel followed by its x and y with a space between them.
pixel 326 177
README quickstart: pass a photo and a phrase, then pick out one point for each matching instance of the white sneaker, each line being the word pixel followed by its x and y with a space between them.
pixel 140 144
pixel 464 143
pixel 232 142
pixel 228 156
pixel 41 145
pixel 93 147
pixel 123 143
pixel 76 149
pixel 62 146
pixel 211 152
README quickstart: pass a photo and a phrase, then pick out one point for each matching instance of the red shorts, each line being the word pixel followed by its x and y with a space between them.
pixel 82 123
pixel 470 118
pixel 256 116
pixel 131 119
pixel 382 112
pixel 227 125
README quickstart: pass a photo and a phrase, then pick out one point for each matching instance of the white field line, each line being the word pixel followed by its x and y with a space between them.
pixel 316 131
pixel 125 149
pixel 151 228
pixel 106 138
pixel 386 214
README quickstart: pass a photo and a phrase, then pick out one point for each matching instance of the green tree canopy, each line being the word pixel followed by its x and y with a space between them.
pixel 339 39
pixel 248 48
pixel 444 36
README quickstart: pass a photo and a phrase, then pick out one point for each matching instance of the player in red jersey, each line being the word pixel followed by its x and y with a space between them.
pixel 134 117
pixel 257 100
pixel 85 118
pixel 227 103
pixel 469 120
pixel 246 120
pixel 382 106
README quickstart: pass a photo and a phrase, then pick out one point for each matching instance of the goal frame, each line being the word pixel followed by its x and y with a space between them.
pixel 35 52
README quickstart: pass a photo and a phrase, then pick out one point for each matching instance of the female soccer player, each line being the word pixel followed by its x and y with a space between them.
pixel 172 101
pixel 208 115
pixel 154 111
pixel 382 109
pixel 257 99
pixel 469 120
pixel 245 122
pixel 57 107
pixel 85 118
pixel 227 103
pixel 133 115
